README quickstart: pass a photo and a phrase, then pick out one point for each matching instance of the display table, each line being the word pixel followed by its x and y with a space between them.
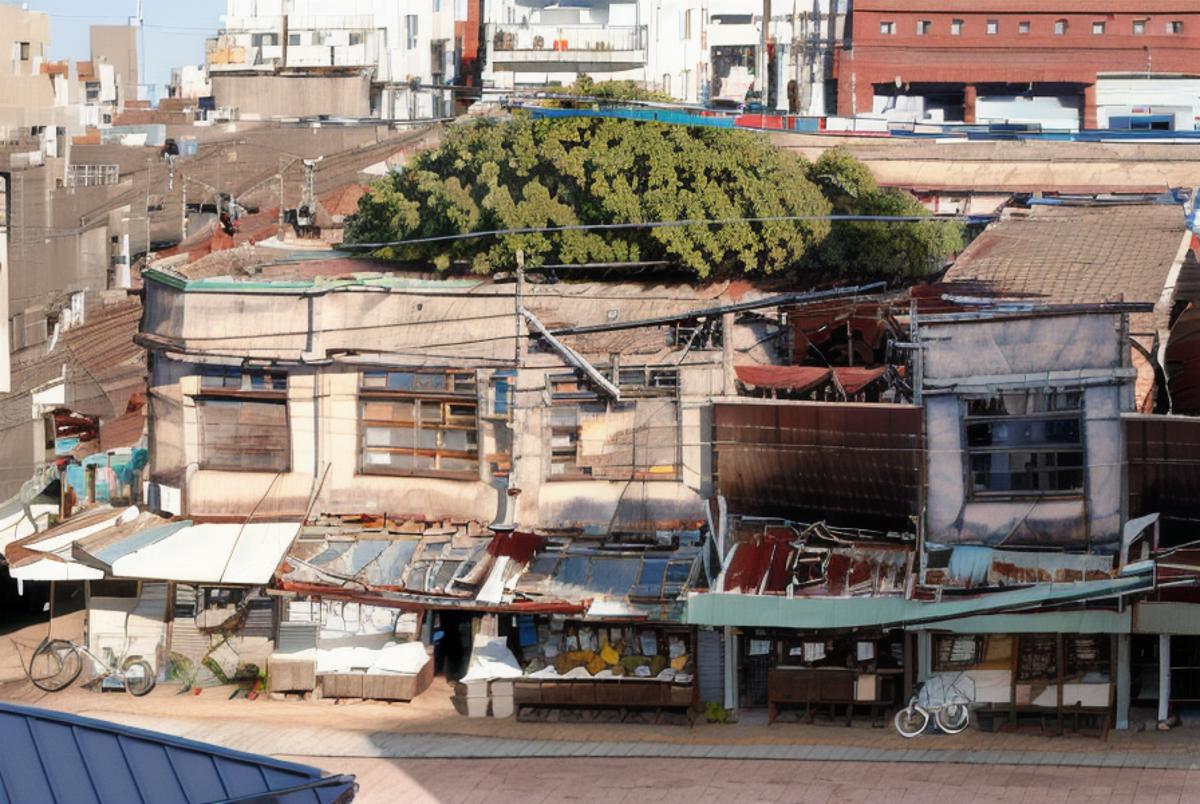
pixel 533 697
pixel 810 687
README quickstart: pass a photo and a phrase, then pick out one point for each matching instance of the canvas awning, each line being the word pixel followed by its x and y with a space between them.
pixel 796 379
pixel 777 611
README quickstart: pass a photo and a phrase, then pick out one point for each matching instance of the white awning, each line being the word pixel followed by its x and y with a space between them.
pixel 217 553
pixel 47 556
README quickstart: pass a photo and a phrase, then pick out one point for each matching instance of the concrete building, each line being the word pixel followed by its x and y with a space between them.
pixel 976 60
pixel 694 52
pixel 368 58
pixel 118 45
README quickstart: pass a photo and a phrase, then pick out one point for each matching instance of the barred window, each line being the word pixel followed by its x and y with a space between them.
pixel 419 423
pixel 1025 444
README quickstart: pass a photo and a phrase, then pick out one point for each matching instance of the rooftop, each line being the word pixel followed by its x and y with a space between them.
pixel 1079 255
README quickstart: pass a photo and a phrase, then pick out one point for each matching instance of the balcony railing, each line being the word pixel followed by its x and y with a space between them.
pixel 565 42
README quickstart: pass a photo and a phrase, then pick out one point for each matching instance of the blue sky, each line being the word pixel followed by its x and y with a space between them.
pixel 174 34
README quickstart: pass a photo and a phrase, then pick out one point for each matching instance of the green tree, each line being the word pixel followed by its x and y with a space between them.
pixel 523 173
pixel 870 249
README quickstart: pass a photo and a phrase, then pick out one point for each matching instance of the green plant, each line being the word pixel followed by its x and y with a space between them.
pixel 717 713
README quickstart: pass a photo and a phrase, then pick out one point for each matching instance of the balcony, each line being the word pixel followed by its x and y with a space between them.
pixel 566 48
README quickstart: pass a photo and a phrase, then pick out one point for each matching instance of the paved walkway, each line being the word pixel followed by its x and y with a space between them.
pixel 695 781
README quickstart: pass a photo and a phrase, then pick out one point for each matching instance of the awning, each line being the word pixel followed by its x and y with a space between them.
pixel 854 379
pixel 798 379
pixel 46 556
pixel 777 611
pixel 216 553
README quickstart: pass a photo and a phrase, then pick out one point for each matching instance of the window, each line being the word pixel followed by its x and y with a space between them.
pixel 1060 27
pixel 1023 27
pixel 24 47
pixel 357 37
pixel 437 6
pixel 1097 28
pixel 264 39
pixel 1025 444
pixel 410 30
pixel 1139 27
pixel 993 27
pixel 887 28
pixel 294 39
pixel 243 420
pixel 956 27
pixel 91 91
pixel 924 27
pixel 594 437
pixel 666 83
pixel 419 423
pixel 1175 27
pixel 731 19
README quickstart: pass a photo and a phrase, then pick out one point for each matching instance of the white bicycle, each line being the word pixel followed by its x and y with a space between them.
pixel 949 705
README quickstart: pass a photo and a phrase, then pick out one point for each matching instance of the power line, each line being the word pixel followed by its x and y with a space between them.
pixel 588 227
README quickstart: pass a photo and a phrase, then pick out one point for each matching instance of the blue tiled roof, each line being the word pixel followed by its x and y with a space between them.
pixel 48 756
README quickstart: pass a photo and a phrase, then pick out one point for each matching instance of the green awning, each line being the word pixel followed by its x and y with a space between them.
pixel 816 613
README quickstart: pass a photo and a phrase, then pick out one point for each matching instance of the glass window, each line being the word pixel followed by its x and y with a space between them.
pixel 410 30
pixel 1139 27
pixel 1060 27
pixel 887 28
pixel 1097 28
pixel 956 27
pixel 24 51
pixel 1023 27
pixel 993 27
pixel 1175 27
pixel 1027 443
pixel 924 27
pixel 418 422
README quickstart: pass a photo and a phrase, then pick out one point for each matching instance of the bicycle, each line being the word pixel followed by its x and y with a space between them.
pixel 950 706
pixel 56 663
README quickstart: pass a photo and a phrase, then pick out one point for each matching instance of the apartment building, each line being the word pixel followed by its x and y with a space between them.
pixel 367 58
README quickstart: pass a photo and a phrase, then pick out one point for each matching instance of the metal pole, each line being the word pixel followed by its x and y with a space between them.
pixel 183 206
pixel 519 301
pixel 1164 677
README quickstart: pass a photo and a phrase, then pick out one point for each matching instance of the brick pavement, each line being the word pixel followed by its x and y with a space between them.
pixel 692 781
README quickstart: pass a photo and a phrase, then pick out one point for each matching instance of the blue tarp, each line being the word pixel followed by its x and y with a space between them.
pixel 50 756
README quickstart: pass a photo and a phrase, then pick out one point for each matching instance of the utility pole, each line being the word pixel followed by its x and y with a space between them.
pixel 149 165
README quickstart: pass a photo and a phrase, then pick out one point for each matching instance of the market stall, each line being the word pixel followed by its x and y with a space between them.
pixel 590 671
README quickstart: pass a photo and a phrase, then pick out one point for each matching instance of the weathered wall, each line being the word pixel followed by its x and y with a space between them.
pixel 266 96
pixel 1039 353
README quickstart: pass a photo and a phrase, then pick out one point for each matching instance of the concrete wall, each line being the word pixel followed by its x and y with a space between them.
pixel 117 45
pixel 266 96
pixel 981 358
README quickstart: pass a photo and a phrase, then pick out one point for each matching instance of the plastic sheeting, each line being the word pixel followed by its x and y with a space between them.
pixel 491 658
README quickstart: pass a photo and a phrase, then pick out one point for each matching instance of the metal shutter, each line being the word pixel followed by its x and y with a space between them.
pixel 710 664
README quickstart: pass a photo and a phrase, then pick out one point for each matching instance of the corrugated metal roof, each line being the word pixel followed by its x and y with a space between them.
pixel 56 757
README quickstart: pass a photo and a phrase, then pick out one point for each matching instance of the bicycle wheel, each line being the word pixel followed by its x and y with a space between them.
pixel 911 721
pixel 54 665
pixel 139 677
pixel 953 718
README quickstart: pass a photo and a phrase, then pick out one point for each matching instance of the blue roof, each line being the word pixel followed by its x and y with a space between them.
pixel 50 756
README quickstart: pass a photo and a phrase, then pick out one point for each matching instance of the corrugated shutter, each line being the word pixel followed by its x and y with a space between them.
pixel 710 664
pixel 260 618
pixel 295 637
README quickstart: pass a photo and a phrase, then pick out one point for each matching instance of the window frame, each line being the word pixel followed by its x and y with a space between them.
pixel 992 27
pixel 887 28
pixel 1061 26
pixel 1044 448
pixel 412 33
pixel 956 27
pixel 1175 27
pixel 924 27
pixel 245 386
pixel 1024 27
pixel 1099 27
pixel 573 390
pixel 1138 27
pixel 445 398
pixel 24 51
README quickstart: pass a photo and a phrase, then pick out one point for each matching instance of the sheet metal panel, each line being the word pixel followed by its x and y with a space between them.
pixel 851 465
pixel 52 756
pixel 1163 454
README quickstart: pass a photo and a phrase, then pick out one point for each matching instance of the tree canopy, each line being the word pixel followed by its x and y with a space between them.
pixel 522 173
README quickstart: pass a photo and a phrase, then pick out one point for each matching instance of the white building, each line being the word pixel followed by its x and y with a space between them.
pixel 697 51
pixel 377 58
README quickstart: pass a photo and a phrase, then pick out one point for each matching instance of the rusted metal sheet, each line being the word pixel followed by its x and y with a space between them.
pixel 1164 473
pixel 851 465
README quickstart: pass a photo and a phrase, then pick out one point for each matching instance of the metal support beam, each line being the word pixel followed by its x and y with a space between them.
pixel 572 357
pixel 1164 677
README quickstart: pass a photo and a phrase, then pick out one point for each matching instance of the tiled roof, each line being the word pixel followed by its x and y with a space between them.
pixel 1076 255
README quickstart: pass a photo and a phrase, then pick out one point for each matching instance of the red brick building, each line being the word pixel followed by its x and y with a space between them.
pixel 956 51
